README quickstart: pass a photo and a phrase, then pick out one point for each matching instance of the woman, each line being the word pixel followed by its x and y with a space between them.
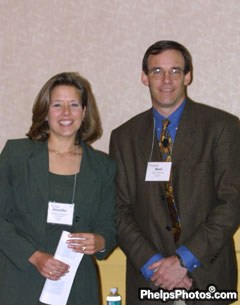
pixel 55 167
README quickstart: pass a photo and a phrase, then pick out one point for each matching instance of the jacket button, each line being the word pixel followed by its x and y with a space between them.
pixel 77 218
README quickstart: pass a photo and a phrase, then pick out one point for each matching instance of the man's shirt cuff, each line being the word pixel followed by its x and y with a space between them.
pixel 189 260
pixel 145 271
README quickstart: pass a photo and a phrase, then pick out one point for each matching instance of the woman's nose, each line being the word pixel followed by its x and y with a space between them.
pixel 66 109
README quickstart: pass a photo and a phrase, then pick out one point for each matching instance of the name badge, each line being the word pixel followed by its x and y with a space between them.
pixel 158 171
pixel 60 213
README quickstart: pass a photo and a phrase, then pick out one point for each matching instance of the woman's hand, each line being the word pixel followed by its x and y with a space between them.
pixel 87 243
pixel 48 266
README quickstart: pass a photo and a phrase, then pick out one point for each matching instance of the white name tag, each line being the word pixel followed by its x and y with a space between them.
pixel 60 213
pixel 158 171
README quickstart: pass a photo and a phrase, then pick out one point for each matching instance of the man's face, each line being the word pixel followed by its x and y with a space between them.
pixel 166 80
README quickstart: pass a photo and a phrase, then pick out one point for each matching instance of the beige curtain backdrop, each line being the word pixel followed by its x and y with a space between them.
pixel 105 42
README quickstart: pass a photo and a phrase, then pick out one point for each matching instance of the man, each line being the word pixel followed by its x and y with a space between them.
pixel 178 186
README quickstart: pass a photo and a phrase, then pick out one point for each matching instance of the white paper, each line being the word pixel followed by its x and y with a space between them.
pixel 158 171
pixel 57 292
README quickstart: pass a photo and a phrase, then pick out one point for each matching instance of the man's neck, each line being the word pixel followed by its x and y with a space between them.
pixel 167 110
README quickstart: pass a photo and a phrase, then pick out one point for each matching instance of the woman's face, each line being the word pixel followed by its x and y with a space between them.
pixel 65 113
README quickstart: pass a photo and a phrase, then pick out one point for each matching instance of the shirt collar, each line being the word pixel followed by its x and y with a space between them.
pixel 174 117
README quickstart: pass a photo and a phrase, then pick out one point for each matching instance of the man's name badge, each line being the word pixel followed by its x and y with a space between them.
pixel 158 171
pixel 60 213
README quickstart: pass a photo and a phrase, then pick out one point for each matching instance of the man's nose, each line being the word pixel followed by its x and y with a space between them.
pixel 167 77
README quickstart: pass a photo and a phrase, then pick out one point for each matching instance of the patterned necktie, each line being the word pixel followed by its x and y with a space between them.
pixel 165 145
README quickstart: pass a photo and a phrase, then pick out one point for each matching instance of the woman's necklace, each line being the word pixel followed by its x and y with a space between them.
pixel 61 154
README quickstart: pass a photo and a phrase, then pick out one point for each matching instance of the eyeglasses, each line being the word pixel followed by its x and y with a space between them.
pixel 158 73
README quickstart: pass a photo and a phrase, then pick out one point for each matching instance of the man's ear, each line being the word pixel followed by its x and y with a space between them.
pixel 187 78
pixel 144 79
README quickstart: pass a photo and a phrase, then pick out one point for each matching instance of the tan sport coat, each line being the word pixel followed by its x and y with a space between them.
pixel 206 181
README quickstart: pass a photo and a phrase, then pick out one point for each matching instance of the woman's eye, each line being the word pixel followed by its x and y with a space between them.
pixel 75 105
pixel 56 105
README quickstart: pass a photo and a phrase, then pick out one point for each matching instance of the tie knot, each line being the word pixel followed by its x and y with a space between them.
pixel 165 123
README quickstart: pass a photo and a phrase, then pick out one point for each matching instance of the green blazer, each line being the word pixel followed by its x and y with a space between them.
pixel 206 184
pixel 24 196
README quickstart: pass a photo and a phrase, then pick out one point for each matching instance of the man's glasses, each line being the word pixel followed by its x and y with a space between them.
pixel 158 73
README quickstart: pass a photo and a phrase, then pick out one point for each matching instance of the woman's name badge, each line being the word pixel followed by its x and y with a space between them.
pixel 60 213
pixel 158 171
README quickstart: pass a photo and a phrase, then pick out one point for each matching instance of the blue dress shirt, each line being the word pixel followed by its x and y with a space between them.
pixel 174 119
pixel 188 259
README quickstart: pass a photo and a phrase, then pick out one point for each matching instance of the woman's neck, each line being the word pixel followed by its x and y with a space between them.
pixel 64 157
pixel 61 147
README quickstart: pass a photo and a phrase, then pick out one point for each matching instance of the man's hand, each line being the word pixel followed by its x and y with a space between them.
pixel 170 274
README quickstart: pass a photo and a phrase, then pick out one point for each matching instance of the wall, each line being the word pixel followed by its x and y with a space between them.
pixel 105 41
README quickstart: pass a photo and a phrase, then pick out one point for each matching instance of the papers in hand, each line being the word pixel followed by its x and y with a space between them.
pixel 57 292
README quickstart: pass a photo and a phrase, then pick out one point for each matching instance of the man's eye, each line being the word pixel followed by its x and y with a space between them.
pixel 158 71
pixel 176 71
